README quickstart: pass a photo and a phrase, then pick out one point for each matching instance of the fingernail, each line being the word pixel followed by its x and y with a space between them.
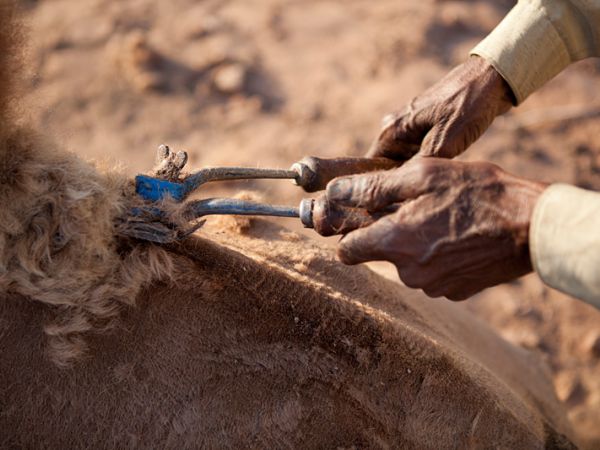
pixel 340 190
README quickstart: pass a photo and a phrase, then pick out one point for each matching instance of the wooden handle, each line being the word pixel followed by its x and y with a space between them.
pixel 329 220
pixel 315 173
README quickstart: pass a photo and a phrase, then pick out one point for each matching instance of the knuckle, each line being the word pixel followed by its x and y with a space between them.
pixel 369 190
pixel 423 169
pixel 397 125
pixel 485 168
pixel 388 120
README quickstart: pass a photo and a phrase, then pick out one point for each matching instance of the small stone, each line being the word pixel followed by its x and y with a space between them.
pixel 140 51
pixel 569 388
pixel 199 27
pixel 591 344
pixel 311 112
pixel 230 78
pixel 141 64
pixel 523 337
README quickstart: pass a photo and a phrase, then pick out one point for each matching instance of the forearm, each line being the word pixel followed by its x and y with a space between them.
pixel 539 38
pixel 564 241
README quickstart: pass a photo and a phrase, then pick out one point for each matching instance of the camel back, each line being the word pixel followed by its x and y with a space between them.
pixel 264 340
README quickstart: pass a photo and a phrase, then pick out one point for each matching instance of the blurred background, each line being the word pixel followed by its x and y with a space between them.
pixel 266 82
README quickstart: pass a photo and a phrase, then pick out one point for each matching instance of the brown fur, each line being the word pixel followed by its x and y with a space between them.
pixel 11 62
pixel 261 340
pixel 242 350
pixel 57 236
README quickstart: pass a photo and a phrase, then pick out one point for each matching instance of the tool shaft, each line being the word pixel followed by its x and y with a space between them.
pixel 211 206
pixel 235 173
pixel 317 213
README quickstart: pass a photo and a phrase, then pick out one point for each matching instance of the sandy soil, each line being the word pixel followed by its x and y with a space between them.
pixel 263 83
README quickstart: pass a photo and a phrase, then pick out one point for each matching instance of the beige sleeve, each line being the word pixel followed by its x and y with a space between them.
pixel 564 241
pixel 539 38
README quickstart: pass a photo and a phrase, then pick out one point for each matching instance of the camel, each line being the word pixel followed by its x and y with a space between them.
pixel 271 343
pixel 254 338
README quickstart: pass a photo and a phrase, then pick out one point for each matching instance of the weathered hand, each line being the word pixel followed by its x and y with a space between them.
pixel 459 228
pixel 447 118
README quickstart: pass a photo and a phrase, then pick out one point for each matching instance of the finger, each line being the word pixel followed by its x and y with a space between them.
pixel 435 143
pixel 400 136
pixel 366 244
pixel 456 289
pixel 373 191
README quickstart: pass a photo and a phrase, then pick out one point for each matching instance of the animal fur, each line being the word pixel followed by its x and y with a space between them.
pixel 269 342
pixel 58 242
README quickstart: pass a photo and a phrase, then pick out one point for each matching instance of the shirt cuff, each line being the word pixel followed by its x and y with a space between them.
pixel 564 241
pixel 525 48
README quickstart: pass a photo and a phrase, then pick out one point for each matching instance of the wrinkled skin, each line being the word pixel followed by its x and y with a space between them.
pixel 447 118
pixel 460 227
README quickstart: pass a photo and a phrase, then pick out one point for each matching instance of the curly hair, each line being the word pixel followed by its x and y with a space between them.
pixel 58 241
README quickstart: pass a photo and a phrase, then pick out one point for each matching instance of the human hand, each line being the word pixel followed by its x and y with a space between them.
pixel 448 117
pixel 460 227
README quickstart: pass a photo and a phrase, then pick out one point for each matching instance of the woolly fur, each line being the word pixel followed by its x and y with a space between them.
pixel 58 242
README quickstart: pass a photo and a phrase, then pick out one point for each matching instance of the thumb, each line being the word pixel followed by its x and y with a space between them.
pixel 365 244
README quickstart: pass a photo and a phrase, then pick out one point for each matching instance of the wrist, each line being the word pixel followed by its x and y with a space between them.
pixel 523 195
pixel 494 84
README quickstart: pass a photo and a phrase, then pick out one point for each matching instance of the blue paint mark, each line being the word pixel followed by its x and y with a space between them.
pixel 154 189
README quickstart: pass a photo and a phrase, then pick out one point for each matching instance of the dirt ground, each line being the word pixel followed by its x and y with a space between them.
pixel 263 83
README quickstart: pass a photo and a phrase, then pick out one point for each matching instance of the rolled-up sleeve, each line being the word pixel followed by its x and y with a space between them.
pixel 564 241
pixel 539 38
